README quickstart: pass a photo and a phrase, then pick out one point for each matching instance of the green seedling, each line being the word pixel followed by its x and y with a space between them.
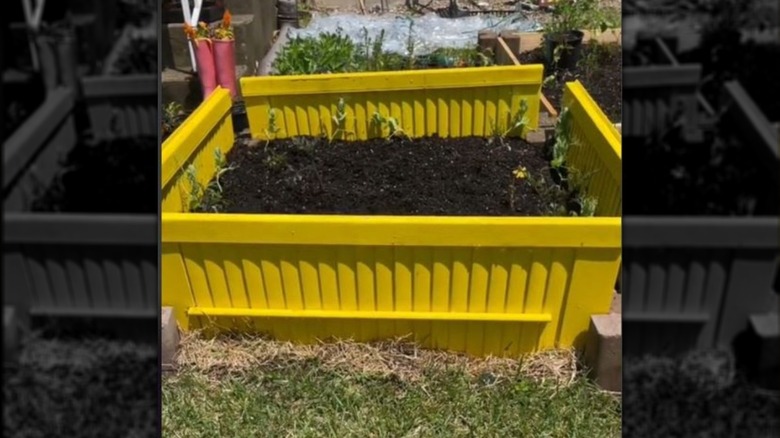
pixel 392 124
pixel 173 116
pixel 519 123
pixel 304 144
pixel 222 167
pixel 209 197
pixel 519 120
pixel 548 81
pixel 588 205
pixel 340 120
pixel 276 160
pixel 273 128
pixel 563 139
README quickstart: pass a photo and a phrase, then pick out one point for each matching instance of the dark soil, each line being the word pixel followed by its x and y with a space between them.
pixel 20 102
pixel 599 69
pixel 118 176
pixel 754 65
pixel 431 176
pixel 719 177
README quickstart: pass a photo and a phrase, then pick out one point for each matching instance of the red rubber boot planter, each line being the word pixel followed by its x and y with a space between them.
pixel 225 53
pixel 204 57
pixel 225 59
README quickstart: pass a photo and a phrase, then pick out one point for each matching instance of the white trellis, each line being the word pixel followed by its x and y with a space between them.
pixel 191 17
pixel 32 15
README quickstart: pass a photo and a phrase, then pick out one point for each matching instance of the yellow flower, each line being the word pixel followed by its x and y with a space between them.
pixel 520 173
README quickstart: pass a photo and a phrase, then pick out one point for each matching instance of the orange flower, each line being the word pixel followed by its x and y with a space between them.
pixel 189 31
pixel 224 32
pixel 226 19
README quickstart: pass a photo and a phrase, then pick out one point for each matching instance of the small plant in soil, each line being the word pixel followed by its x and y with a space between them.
pixel 273 128
pixel 340 121
pixel 518 124
pixel 173 116
pixel 567 191
pixel 599 70
pixel 115 176
pixel 208 198
pixel 421 176
pixel 391 123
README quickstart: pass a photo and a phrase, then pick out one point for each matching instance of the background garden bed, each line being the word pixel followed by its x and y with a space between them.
pixel 599 70
pixel 337 53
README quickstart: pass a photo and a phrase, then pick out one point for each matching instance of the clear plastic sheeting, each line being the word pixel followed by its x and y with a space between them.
pixel 429 32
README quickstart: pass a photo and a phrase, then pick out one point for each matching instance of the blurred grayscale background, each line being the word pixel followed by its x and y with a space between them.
pixel 701 106
pixel 80 202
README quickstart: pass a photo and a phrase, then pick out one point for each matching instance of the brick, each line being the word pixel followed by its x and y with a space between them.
pixel 169 338
pixel 10 334
pixel 603 353
pixel 767 328
pixel 617 304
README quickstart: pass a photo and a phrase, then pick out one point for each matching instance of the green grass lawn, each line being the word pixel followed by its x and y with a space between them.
pixel 252 388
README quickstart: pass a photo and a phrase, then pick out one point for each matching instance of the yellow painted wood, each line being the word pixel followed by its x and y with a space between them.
pixel 208 128
pixel 486 286
pixel 424 102
pixel 541 232
pixel 599 150
pixel 371 315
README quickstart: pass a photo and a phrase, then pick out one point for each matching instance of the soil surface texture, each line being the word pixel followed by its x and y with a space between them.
pixel 118 176
pixel 430 176
pixel 722 176
pixel 599 69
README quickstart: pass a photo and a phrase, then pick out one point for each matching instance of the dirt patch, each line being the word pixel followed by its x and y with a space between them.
pixel 717 177
pixel 430 176
pixel 116 176
pixel 599 70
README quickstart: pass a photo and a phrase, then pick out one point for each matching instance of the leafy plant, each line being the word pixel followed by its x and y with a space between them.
pixel 173 116
pixel 571 15
pixel 330 52
pixel 276 160
pixel 519 122
pixel 563 139
pixel 565 193
pixel 273 128
pixel 392 124
pixel 339 119
pixel 209 197
pixel 574 15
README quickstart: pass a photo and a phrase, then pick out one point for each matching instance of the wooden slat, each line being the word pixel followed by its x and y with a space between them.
pixel 376 315
pixel 504 56
pixel 532 40
pixel 752 123
pixel 82 229
pixel 700 232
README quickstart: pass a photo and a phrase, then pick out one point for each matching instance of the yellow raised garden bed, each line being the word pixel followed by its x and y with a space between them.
pixel 483 285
